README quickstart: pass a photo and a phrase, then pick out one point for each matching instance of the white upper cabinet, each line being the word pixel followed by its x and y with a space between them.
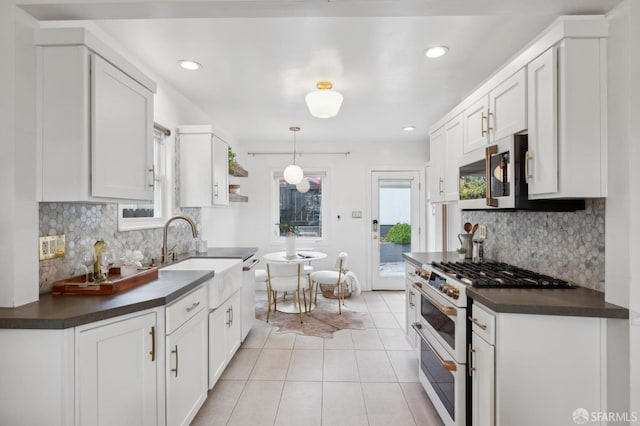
pixel 445 148
pixel 567 133
pixel 437 154
pixel 204 167
pixel 454 135
pixel 95 121
pixel 500 113
pixel 554 91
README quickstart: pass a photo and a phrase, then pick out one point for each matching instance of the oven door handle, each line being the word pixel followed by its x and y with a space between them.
pixel 447 365
pixel 488 152
pixel 447 310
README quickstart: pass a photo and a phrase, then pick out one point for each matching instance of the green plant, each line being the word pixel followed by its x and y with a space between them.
pixel 461 250
pixel 400 233
pixel 287 228
pixel 233 164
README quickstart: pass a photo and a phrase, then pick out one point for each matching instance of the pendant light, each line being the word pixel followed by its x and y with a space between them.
pixel 303 186
pixel 324 102
pixel 293 174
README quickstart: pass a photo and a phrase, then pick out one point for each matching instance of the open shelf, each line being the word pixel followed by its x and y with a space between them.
pixel 237 198
pixel 238 172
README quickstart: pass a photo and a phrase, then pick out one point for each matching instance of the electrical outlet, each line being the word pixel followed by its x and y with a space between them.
pixel 52 246
pixel 356 214
pixel 482 231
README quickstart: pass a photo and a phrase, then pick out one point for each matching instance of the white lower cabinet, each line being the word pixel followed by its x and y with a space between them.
pixel 539 370
pixel 412 306
pixel 186 355
pixel 117 372
pixel 224 336
pixel 482 368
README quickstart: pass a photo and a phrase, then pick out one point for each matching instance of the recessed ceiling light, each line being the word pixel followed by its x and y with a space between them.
pixel 436 51
pixel 189 65
pixel 409 128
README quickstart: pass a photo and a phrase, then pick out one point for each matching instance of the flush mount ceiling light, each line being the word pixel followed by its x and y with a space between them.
pixel 324 102
pixel 189 65
pixel 436 51
pixel 293 174
pixel 409 128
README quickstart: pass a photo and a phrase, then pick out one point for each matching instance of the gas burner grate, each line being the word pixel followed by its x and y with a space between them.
pixel 498 274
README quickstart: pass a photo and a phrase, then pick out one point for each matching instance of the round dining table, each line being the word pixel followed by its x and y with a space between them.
pixel 291 306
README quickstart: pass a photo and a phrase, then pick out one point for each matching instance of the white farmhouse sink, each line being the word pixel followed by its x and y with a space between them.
pixel 226 281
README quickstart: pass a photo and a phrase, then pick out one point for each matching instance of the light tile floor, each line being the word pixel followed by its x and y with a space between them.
pixel 360 377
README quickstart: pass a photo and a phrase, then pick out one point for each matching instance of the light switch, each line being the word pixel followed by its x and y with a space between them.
pixel 356 214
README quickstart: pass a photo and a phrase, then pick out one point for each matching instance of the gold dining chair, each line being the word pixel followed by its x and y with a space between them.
pixel 285 277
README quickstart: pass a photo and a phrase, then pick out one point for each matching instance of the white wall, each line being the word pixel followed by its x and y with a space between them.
pixel 348 189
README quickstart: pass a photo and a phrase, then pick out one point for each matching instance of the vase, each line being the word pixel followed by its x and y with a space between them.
pixel 290 246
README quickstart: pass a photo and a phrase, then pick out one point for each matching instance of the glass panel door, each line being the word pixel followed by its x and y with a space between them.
pixel 395 226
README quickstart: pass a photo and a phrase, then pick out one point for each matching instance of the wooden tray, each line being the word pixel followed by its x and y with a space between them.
pixel 114 283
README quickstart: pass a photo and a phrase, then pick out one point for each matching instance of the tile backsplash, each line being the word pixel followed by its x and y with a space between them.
pixel 570 246
pixel 84 223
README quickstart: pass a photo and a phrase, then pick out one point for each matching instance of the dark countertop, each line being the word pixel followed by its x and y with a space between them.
pixel 582 302
pixel 65 311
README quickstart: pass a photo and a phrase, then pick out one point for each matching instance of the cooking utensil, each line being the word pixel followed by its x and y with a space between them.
pixel 467 227
pixel 474 229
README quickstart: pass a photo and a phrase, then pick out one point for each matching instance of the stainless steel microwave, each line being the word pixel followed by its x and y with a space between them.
pixel 495 178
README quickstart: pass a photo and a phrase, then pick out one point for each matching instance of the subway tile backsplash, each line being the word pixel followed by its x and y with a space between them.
pixel 84 223
pixel 570 246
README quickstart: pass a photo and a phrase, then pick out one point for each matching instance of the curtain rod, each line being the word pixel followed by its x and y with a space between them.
pixel 300 154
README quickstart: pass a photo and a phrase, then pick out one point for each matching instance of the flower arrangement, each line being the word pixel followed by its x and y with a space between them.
pixel 132 258
pixel 288 228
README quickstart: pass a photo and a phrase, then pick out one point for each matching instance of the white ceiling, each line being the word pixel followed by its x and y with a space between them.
pixel 260 57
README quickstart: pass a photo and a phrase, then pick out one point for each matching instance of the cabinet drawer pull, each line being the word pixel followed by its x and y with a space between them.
pixel 153 343
pixel 193 306
pixel 469 360
pixel 175 351
pixel 476 322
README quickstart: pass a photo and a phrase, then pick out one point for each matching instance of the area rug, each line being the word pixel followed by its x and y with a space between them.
pixel 322 321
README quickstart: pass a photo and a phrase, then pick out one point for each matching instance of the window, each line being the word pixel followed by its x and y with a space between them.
pixel 305 210
pixel 141 216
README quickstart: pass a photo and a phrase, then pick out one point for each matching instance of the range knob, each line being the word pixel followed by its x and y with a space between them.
pixel 450 290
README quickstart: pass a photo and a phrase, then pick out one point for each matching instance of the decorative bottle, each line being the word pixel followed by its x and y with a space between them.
pixel 99 247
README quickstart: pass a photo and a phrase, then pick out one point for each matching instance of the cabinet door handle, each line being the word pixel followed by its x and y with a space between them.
pixel 476 322
pixel 193 306
pixel 440 189
pixel 411 304
pixel 483 132
pixel 489 115
pixel 527 157
pixel 469 360
pixel 228 317
pixel 152 170
pixel 175 351
pixel 215 190
pixel 231 315
pixel 153 343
